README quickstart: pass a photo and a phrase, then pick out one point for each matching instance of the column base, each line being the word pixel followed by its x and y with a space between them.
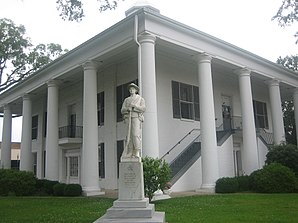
pixel 92 192
pixel 206 188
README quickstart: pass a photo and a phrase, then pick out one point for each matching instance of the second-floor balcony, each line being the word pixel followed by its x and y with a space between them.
pixel 70 134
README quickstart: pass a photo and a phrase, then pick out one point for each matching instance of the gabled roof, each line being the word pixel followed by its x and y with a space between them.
pixel 190 39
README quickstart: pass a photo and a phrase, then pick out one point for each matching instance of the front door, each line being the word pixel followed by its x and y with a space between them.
pixel 72 167
pixel 226 113
pixel 72 121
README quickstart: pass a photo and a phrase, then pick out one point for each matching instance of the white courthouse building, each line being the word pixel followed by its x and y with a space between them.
pixel 212 108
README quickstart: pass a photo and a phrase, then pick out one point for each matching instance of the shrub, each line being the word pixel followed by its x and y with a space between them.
pixel 227 185
pixel 45 187
pixel 157 174
pixel 14 182
pixel 72 190
pixel 286 155
pixel 273 178
pixel 243 182
pixel 59 189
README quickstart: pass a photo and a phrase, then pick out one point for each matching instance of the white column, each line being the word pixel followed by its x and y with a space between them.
pixel 110 129
pixel 249 153
pixel 148 87
pixel 26 143
pixel 90 178
pixel 276 110
pixel 210 172
pixel 6 138
pixel 295 99
pixel 52 161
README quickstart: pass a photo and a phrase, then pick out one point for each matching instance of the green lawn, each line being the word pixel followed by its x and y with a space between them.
pixel 229 208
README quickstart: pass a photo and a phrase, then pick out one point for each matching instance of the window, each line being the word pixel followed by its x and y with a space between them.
pixel 100 108
pixel 34 126
pixel 260 112
pixel 120 148
pixel 185 101
pixel 121 94
pixel 35 163
pixel 45 124
pixel 74 166
pixel 101 160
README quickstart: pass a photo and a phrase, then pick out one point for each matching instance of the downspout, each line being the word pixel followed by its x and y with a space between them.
pixel 139 66
pixel 139 53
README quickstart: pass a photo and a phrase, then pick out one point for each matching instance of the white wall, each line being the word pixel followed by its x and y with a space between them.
pixel 226 159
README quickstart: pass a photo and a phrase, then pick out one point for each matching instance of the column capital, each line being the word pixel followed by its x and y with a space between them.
pixel 273 82
pixel 147 38
pixel 6 106
pixel 91 65
pixel 52 83
pixel 243 72
pixel 203 58
pixel 26 97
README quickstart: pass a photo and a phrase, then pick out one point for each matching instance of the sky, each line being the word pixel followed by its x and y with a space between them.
pixel 244 23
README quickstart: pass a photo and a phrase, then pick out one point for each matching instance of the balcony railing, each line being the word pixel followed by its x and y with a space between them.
pixel 71 131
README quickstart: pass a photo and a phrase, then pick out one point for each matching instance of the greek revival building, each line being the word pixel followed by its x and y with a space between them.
pixel 212 109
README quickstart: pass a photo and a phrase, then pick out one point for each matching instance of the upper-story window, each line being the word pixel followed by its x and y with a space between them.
pixel 100 108
pixel 34 126
pixel 261 117
pixel 185 101
pixel 121 94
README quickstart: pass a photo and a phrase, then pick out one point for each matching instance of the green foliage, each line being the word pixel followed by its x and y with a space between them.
pixel 45 187
pixel 231 208
pixel 287 14
pixel 290 62
pixel 72 190
pixel 59 189
pixel 243 182
pixel 14 182
pixel 73 10
pixel 227 185
pixel 273 178
pixel 157 174
pixel 289 122
pixel 18 57
pixel 232 184
pixel 286 155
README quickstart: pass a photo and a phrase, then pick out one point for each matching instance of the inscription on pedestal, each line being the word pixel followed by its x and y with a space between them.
pixel 130 180
pixel 131 185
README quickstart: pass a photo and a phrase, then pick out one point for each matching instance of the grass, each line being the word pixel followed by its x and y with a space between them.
pixel 273 208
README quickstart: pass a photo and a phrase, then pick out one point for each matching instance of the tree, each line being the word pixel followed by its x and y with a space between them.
pixel 18 57
pixel 289 122
pixel 287 14
pixel 73 10
pixel 286 155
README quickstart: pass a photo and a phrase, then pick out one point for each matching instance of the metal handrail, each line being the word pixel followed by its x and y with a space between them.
pixel 179 142
pixel 71 131
pixel 177 157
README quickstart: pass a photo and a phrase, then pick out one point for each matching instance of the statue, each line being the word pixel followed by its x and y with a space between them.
pixel 132 110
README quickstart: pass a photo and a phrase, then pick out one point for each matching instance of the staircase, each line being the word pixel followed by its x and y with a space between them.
pixel 191 153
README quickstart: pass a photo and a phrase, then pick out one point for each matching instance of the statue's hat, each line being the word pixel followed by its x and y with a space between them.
pixel 134 86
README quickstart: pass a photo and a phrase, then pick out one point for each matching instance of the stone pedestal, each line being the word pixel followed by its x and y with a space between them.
pixel 132 206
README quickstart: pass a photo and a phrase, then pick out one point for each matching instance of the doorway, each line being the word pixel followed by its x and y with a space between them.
pixel 226 113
